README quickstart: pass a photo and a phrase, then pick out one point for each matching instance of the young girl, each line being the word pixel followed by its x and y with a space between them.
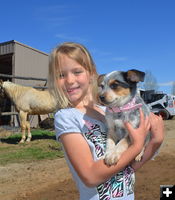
pixel 81 128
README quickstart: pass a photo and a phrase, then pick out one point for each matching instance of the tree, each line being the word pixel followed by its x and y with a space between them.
pixel 150 82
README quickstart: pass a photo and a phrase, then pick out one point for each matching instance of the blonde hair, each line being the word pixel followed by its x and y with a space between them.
pixel 82 56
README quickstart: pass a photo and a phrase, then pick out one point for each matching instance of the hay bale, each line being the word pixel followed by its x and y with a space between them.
pixel 47 123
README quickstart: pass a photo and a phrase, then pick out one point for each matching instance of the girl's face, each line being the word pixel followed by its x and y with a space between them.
pixel 74 80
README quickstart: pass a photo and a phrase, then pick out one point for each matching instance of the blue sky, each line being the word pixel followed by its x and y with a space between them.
pixel 120 34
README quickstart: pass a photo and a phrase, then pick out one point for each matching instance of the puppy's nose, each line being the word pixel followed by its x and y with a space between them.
pixel 102 98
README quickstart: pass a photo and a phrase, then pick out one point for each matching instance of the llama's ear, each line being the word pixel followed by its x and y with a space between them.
pixel 1 82
pixel 135 76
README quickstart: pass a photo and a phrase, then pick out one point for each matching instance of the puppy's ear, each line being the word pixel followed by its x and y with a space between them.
pixel 100 79
pixel 134 75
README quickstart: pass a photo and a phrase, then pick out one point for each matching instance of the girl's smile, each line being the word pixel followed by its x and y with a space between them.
pixel 72 90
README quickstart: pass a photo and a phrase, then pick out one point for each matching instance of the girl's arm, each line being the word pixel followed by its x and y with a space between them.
pixel 157 136
pixel 93 172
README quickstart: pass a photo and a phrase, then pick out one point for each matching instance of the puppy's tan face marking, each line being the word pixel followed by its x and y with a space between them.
pixel 112 91
pixel 118 89
pixel 113 84
pixel 109 96
pixel 122 91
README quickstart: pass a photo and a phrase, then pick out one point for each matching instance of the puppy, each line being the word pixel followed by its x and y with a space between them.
pixel 118 92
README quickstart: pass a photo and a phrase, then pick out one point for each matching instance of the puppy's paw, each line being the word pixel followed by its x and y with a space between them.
pixel 111 158
pixel 102 157
pixel 138 158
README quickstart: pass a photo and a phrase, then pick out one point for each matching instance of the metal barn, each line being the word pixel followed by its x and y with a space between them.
pixel 23 65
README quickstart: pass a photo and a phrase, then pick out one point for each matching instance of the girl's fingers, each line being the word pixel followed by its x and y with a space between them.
pixel 144 121
pixel 157 127
pixel 141 116
pixel 147 124
pixel 129 126
pixel 143 128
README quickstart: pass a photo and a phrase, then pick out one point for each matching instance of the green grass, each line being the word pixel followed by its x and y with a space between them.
pixel 43 146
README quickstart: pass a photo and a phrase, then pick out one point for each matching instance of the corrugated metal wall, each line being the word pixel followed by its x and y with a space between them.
pixel 30 62
pixel 6 47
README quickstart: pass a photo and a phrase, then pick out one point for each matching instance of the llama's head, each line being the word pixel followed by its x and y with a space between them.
pixel 2 92
pixel 5 88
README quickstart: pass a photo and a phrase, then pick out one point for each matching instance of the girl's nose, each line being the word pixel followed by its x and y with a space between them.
pixel 70 78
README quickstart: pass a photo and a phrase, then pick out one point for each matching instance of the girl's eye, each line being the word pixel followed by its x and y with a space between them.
pixel 61 76
pixel 77 72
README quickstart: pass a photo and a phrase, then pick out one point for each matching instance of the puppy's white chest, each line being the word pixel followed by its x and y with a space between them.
pixel 119 123
pixel 115 122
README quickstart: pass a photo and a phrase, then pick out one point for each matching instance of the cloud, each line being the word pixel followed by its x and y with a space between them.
pixel 70 38
pixel 58 21
pixel 55 15
pixel 100 52
pixel 119 58
pixel 53 8
pixel 166 83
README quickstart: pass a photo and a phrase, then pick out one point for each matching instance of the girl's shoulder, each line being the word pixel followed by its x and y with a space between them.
pixel 68 115
pixel 74 115
pixel 65 111
pixel 68 111
pixel 66 121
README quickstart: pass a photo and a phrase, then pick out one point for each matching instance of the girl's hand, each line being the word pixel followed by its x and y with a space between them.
pixel 139 134
pixel 157 136
pixel 157 128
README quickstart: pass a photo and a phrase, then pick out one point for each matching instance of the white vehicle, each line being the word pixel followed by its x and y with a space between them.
pixel 159 103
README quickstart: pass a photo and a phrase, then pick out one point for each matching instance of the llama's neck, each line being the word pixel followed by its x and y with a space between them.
pixel 12 91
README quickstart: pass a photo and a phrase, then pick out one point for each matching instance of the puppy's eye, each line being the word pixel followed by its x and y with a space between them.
pixel 101 86
pixel 113 85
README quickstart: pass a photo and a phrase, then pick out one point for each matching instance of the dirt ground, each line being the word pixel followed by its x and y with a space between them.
pixel 51 180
